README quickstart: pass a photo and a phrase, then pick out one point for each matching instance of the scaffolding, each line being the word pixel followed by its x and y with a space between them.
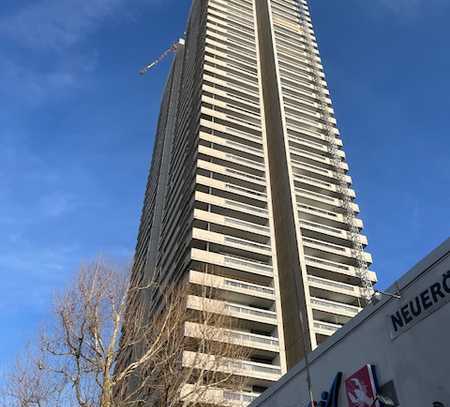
pixel 342 185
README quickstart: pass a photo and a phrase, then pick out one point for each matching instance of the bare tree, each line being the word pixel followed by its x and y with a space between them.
pixel 89 357
pixel 26 385
pixel 194 354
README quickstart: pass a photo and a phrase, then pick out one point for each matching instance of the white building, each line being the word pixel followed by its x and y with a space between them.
pixel 249 189
pixel 406 340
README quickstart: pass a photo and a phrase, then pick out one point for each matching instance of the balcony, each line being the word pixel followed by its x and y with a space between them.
pixel 218 396
pixel 322 186
pixel 233 290
pixel 259 342
pixel 328 233
pixel 231 241
pixel 233 267
pixel 239 311
pixel 233 158
pixel 334 286
pixel 261 371
pixel 239 146
pixel 239 398
pixel 225 203
pixel 248 195
pixel 249 266
pixel 309 156
pixel 322 200
pixel 245 135
pixel 328 217
pixel 241 225
pixel 337 291
pixel 344 270
pixel 246 177
pixel 334 252
pixel 319 172
pixel 292 110
pixel 333 307
pixel 325 328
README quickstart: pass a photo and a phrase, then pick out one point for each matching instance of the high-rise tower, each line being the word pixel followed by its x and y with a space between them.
pixel 249 189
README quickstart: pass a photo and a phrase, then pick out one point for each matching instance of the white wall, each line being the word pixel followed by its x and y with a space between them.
pixel 418 360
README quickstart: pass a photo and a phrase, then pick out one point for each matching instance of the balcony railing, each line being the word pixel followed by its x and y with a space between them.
pixel 323 227
pixel 243 337
pixel 246 207
pixel 232 130
pixel 248 265
pixel 243 174
pixel 255 367
pixel 235 366
pixel 321 212
pixel 306 192
pixel 242 309
pixel 332 284
pixel 325 326
pixel 248 225
pixel 248 286
pixel 238 189
pixel 239 398
pixel 336 306
pixel 248 243
pixel 326 245
pixel 328 263
pixel 240 160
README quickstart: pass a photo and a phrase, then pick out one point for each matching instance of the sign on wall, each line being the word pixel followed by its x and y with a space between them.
pixel 423 304
pixel 360 388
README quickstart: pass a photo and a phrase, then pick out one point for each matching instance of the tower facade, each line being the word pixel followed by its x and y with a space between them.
pixel 249 191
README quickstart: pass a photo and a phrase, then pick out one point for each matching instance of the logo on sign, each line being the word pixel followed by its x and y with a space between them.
pixel 360 388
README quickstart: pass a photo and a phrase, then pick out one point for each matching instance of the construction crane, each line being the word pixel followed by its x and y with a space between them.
pixel 168 51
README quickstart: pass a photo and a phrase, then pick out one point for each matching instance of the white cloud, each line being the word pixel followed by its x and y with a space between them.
pixel 23 84
pixel 57 24
pixel 410 8
pixel 54 31
pixel 56 204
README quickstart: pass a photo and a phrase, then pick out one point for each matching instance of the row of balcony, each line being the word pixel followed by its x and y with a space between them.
pixel 256 316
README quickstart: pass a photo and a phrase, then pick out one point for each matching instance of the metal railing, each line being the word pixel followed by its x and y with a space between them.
pixel 244 242
pixel 250 287
pixel 248 265
pixel 331 283
pixel 335 305
pixel 242 309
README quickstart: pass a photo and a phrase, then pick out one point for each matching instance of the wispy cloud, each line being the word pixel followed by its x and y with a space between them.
pixel 408 9
pixel 57 203
pixel 49 59
pixel 31 87
pixel 57 24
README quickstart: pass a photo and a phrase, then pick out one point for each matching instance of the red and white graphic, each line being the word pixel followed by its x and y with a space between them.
pixel 361 389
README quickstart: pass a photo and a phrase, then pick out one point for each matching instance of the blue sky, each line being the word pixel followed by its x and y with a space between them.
pixel 77 124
